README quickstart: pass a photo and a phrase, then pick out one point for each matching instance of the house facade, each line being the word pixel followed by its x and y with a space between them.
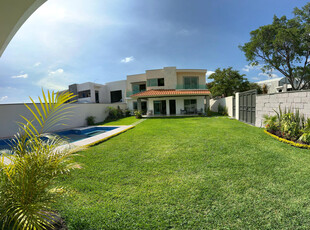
pixel 168 91
pixel 277 85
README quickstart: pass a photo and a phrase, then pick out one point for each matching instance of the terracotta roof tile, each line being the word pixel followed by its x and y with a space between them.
pixel 171 92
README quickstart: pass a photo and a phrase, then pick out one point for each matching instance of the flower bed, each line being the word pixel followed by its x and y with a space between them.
pixel 299 145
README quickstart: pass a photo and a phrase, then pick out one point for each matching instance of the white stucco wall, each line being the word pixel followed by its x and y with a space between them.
pixel 225 102
pixel 116 85
pixel 10 114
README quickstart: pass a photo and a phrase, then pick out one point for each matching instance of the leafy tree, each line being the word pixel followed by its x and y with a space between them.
pixel 228 81
pixel 283 45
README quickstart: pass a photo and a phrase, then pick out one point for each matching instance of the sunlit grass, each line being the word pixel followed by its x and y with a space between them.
pixel 189 173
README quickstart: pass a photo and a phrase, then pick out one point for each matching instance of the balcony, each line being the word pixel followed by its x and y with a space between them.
pixel 191 87
pixel 129 93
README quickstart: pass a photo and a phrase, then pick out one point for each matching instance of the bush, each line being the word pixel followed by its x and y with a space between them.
pixel 127 113
pixel 138 114
pixel 271 123
pixel 90 120
pixel 223 110
pixel 209 112
pixel 290 127
pixel 114 113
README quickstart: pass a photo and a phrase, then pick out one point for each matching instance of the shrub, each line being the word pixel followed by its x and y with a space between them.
pixel 223 110
pixel 305 137
pixel 90 120
pixel 209 112
pixel 127 113
pixel 290 127
pixel 112 113
pixel 271 123
pixel 138 114
pixel 27 183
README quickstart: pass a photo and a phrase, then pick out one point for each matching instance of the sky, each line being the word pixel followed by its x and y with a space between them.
pixel 76 41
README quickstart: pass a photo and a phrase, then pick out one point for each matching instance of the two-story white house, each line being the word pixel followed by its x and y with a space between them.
pixel 168 91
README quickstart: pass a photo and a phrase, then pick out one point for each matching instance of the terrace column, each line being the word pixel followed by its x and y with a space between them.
pixel 139 104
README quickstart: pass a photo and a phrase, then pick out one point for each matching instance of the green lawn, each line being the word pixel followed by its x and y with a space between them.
pixel 189 173
pixel 123 121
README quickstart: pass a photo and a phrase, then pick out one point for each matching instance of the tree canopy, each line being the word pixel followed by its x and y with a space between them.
pixel 228 81
pixel 283 45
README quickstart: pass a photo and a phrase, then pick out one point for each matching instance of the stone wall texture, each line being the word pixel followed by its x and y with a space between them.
pixel 266 104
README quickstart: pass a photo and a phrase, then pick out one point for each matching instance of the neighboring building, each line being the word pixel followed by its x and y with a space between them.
pixel 276 85
pixel 168 91
pixel 89 92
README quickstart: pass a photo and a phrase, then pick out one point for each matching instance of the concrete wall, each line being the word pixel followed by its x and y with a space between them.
pixel 10 114
pixel 266 104
pixel 225 102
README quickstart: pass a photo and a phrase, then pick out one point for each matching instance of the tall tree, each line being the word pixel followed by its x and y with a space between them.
pixel 283 45
pixel 228 81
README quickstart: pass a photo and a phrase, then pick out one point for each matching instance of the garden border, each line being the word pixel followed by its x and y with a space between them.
pixel 292 143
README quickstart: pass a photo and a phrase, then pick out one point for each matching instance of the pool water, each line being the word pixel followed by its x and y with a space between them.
pixel 71 135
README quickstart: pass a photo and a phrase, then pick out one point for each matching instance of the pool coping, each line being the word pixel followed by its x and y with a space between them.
pixel 101 137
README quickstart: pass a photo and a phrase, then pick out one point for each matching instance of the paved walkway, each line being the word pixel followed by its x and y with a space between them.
pixel 138 122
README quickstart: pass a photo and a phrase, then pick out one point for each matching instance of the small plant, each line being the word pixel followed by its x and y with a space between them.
pixel 127 113
pixel 138 114
pixel 223 110
pixel 271 123
pixel 90 120
pixel 209 112
pixel 305 137
pixel 113 113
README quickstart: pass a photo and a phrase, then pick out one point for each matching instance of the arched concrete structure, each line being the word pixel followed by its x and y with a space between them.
pixel 13 14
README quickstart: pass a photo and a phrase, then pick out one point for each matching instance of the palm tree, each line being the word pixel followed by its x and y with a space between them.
pixel 27 182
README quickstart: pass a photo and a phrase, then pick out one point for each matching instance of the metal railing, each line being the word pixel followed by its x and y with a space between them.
pixel 191 87
pixel 129 93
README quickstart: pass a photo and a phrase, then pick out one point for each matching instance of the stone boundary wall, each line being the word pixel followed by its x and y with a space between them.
pixel 10 114
pixel 266 104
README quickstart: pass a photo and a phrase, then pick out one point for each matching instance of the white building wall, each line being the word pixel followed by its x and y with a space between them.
pixel 117 85
pixel 10 114
pixel 225 102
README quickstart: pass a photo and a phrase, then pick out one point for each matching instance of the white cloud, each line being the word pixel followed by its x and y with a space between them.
pixel 184 32
pixel 3 98
pixel 20 76
pixel 128 59
pixel 37 64
pixel 247 68
pixel 209 72
pixel 271 75
pixel 55 80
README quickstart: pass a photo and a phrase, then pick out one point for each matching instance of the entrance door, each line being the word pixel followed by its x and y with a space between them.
pixel 160 107
pixel 172 107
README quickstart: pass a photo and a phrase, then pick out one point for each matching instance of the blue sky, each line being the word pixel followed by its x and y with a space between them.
pixel 75 41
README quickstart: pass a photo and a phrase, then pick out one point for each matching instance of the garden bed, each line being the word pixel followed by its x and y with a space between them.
pixel 293 143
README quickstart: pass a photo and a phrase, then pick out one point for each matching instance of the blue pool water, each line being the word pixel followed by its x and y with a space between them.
pixel 71 135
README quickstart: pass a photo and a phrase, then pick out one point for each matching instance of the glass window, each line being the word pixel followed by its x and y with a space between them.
pixel 83 94
pixel 135 105
pixel 191 83
pixel 156 82
pixel 190 105
pixel 161 82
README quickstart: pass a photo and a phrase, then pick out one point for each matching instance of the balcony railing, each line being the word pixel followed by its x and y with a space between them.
pixel 129 93
pixel 191 87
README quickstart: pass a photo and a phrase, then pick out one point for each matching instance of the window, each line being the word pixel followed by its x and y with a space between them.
pixel 83 94
pixel 116 96
pixel 135 105
pixel 138 87
pixel 190 105
pixel 97 96
pixel 191 83
pixel 156 82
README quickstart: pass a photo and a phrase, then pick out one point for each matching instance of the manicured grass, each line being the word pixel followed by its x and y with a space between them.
pixel 189 173
pixel 122 121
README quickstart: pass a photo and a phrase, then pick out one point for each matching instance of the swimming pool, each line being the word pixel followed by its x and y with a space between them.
pixel 72 135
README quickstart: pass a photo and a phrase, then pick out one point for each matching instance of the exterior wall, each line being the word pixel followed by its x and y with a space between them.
pixel 266 104
pixel 168 73
pixel 225 102
pixel 10 114
pixel 116 85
